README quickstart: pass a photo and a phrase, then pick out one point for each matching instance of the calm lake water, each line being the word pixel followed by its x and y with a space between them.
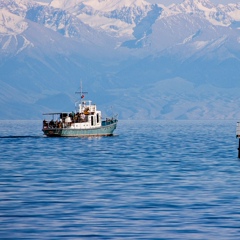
pixel 152 180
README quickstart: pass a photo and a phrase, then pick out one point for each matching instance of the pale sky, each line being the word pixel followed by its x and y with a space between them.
pixel 167 2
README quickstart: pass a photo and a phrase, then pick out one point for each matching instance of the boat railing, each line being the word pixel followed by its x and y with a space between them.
pixel 65 122
pixel 52 124
pixel 109 121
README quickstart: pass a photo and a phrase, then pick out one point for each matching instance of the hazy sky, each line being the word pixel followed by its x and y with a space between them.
pixel 167 2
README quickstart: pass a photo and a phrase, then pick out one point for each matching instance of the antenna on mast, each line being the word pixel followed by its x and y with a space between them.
pixel 81 91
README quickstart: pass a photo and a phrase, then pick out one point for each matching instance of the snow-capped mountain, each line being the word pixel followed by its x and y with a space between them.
pixel 222 15
pixel 17 16
pixel 11 24
pixel 120 17
pixel 117 17
pixel 131 22
pixel 18 7
pixel 58 20
pixel 122 49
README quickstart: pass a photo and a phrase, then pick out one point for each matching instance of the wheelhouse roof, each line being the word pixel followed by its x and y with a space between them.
pixel 57 113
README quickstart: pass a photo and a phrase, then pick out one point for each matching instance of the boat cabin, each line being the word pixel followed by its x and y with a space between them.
pixel 85 116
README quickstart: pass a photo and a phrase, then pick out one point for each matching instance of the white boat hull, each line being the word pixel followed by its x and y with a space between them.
pixel 106 130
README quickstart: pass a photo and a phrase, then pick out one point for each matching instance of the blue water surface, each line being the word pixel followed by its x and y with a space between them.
pixel 152 180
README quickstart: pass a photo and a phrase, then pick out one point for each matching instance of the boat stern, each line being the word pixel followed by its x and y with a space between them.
pixel 52 132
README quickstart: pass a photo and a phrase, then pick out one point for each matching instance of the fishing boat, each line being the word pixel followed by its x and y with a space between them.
pixel 86 121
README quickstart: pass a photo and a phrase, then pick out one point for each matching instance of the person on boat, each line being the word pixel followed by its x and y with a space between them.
pixel 82 116
pixel 51 123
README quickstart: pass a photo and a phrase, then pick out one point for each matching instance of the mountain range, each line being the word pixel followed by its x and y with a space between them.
pixel 140 60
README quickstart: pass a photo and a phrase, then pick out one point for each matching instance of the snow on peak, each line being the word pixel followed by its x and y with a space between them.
pixel 100 5
pixel 215 14
pixel 18 7
pixel 65 4
pixel 16 3
pixel 11 23
pixel 117 17
pixel 192 6
pixel 109 5
pixel 232 10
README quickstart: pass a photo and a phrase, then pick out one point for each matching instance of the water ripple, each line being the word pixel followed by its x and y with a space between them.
pixel 154 180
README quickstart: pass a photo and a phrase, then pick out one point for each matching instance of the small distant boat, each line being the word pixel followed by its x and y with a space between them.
pixel 86 121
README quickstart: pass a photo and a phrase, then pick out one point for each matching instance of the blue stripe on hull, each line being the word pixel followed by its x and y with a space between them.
pixel 67 132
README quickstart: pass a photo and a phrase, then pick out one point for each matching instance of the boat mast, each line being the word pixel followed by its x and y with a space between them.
pixel 81 94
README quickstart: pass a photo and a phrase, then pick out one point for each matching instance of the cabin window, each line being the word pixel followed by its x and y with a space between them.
pixel 97 118
pixel 92 120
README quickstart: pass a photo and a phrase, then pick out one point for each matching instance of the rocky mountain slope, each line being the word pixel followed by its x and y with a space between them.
pixel 149 61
